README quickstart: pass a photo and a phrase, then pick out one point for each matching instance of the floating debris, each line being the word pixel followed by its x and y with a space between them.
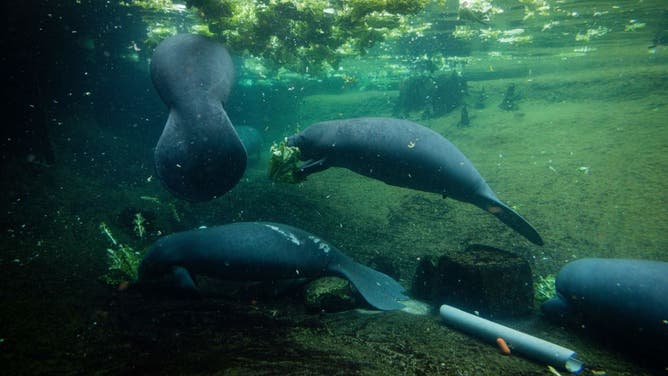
pixel 150 198
pixel 105 230
pixel 138 225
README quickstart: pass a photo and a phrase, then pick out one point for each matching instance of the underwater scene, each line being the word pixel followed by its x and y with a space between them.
pixel 354 187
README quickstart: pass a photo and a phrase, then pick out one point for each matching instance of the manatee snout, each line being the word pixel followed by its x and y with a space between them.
pixel 293 141
pixel 306 150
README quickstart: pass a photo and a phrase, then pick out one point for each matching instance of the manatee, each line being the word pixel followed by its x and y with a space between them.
pixel 260 251
pixel 404 154
pixel 199 155
pixel 622 298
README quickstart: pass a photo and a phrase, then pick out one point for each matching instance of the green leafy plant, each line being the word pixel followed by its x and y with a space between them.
pixel 123 265
pixel 304 36
pixel 139 225
pixel 284 163
pixel 545 288
pixel 123 260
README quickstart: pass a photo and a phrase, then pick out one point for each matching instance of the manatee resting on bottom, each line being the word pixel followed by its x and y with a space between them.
pixel 260 251
pixel 624 298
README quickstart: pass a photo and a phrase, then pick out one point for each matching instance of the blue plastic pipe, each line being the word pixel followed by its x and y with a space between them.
pixel 522 343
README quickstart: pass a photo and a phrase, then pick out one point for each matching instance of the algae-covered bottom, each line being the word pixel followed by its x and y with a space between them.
pixel 62 319
pixel 215 336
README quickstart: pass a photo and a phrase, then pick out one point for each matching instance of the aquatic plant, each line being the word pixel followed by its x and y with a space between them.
pixel 107 232
pixel 157 31
pixel 544 288
pixel 481 12
pixel 123 260
pixel 174 211
pixel 154 5
pixel 305 36
pixel 591 34
pixel 138 225
pixel 465 32
pixel 123 265
pixel 201 29
pixel 284 163
pixel 152 199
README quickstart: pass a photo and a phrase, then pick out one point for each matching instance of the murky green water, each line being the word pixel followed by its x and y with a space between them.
pixel 583 157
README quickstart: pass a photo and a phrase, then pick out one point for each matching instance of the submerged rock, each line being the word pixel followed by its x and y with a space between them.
pixel 509 102
pixel 493 282
pixel 432 95
pixel 330 294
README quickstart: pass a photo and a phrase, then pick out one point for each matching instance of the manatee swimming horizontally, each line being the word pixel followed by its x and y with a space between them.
pixel 199 155
pixel 405 154
pixel 261 251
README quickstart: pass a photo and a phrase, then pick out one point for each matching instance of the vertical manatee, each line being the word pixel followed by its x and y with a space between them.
pixel 199 155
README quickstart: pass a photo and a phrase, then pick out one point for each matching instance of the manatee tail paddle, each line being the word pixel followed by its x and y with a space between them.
pixel 379 290
pixel 511 219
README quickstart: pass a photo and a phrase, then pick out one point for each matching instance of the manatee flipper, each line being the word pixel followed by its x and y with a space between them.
pixel 312 166
pixel 183 280
pixel 378 289
pixel 510 217
pixel 557 308
pixel 177 282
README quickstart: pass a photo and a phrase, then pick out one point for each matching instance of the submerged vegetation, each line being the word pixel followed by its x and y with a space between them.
pixel 283 165
pixel 302 36
pixel 313 37
pixel 122 259
pixel 305 36
pixel 545 288
pixel 123 265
